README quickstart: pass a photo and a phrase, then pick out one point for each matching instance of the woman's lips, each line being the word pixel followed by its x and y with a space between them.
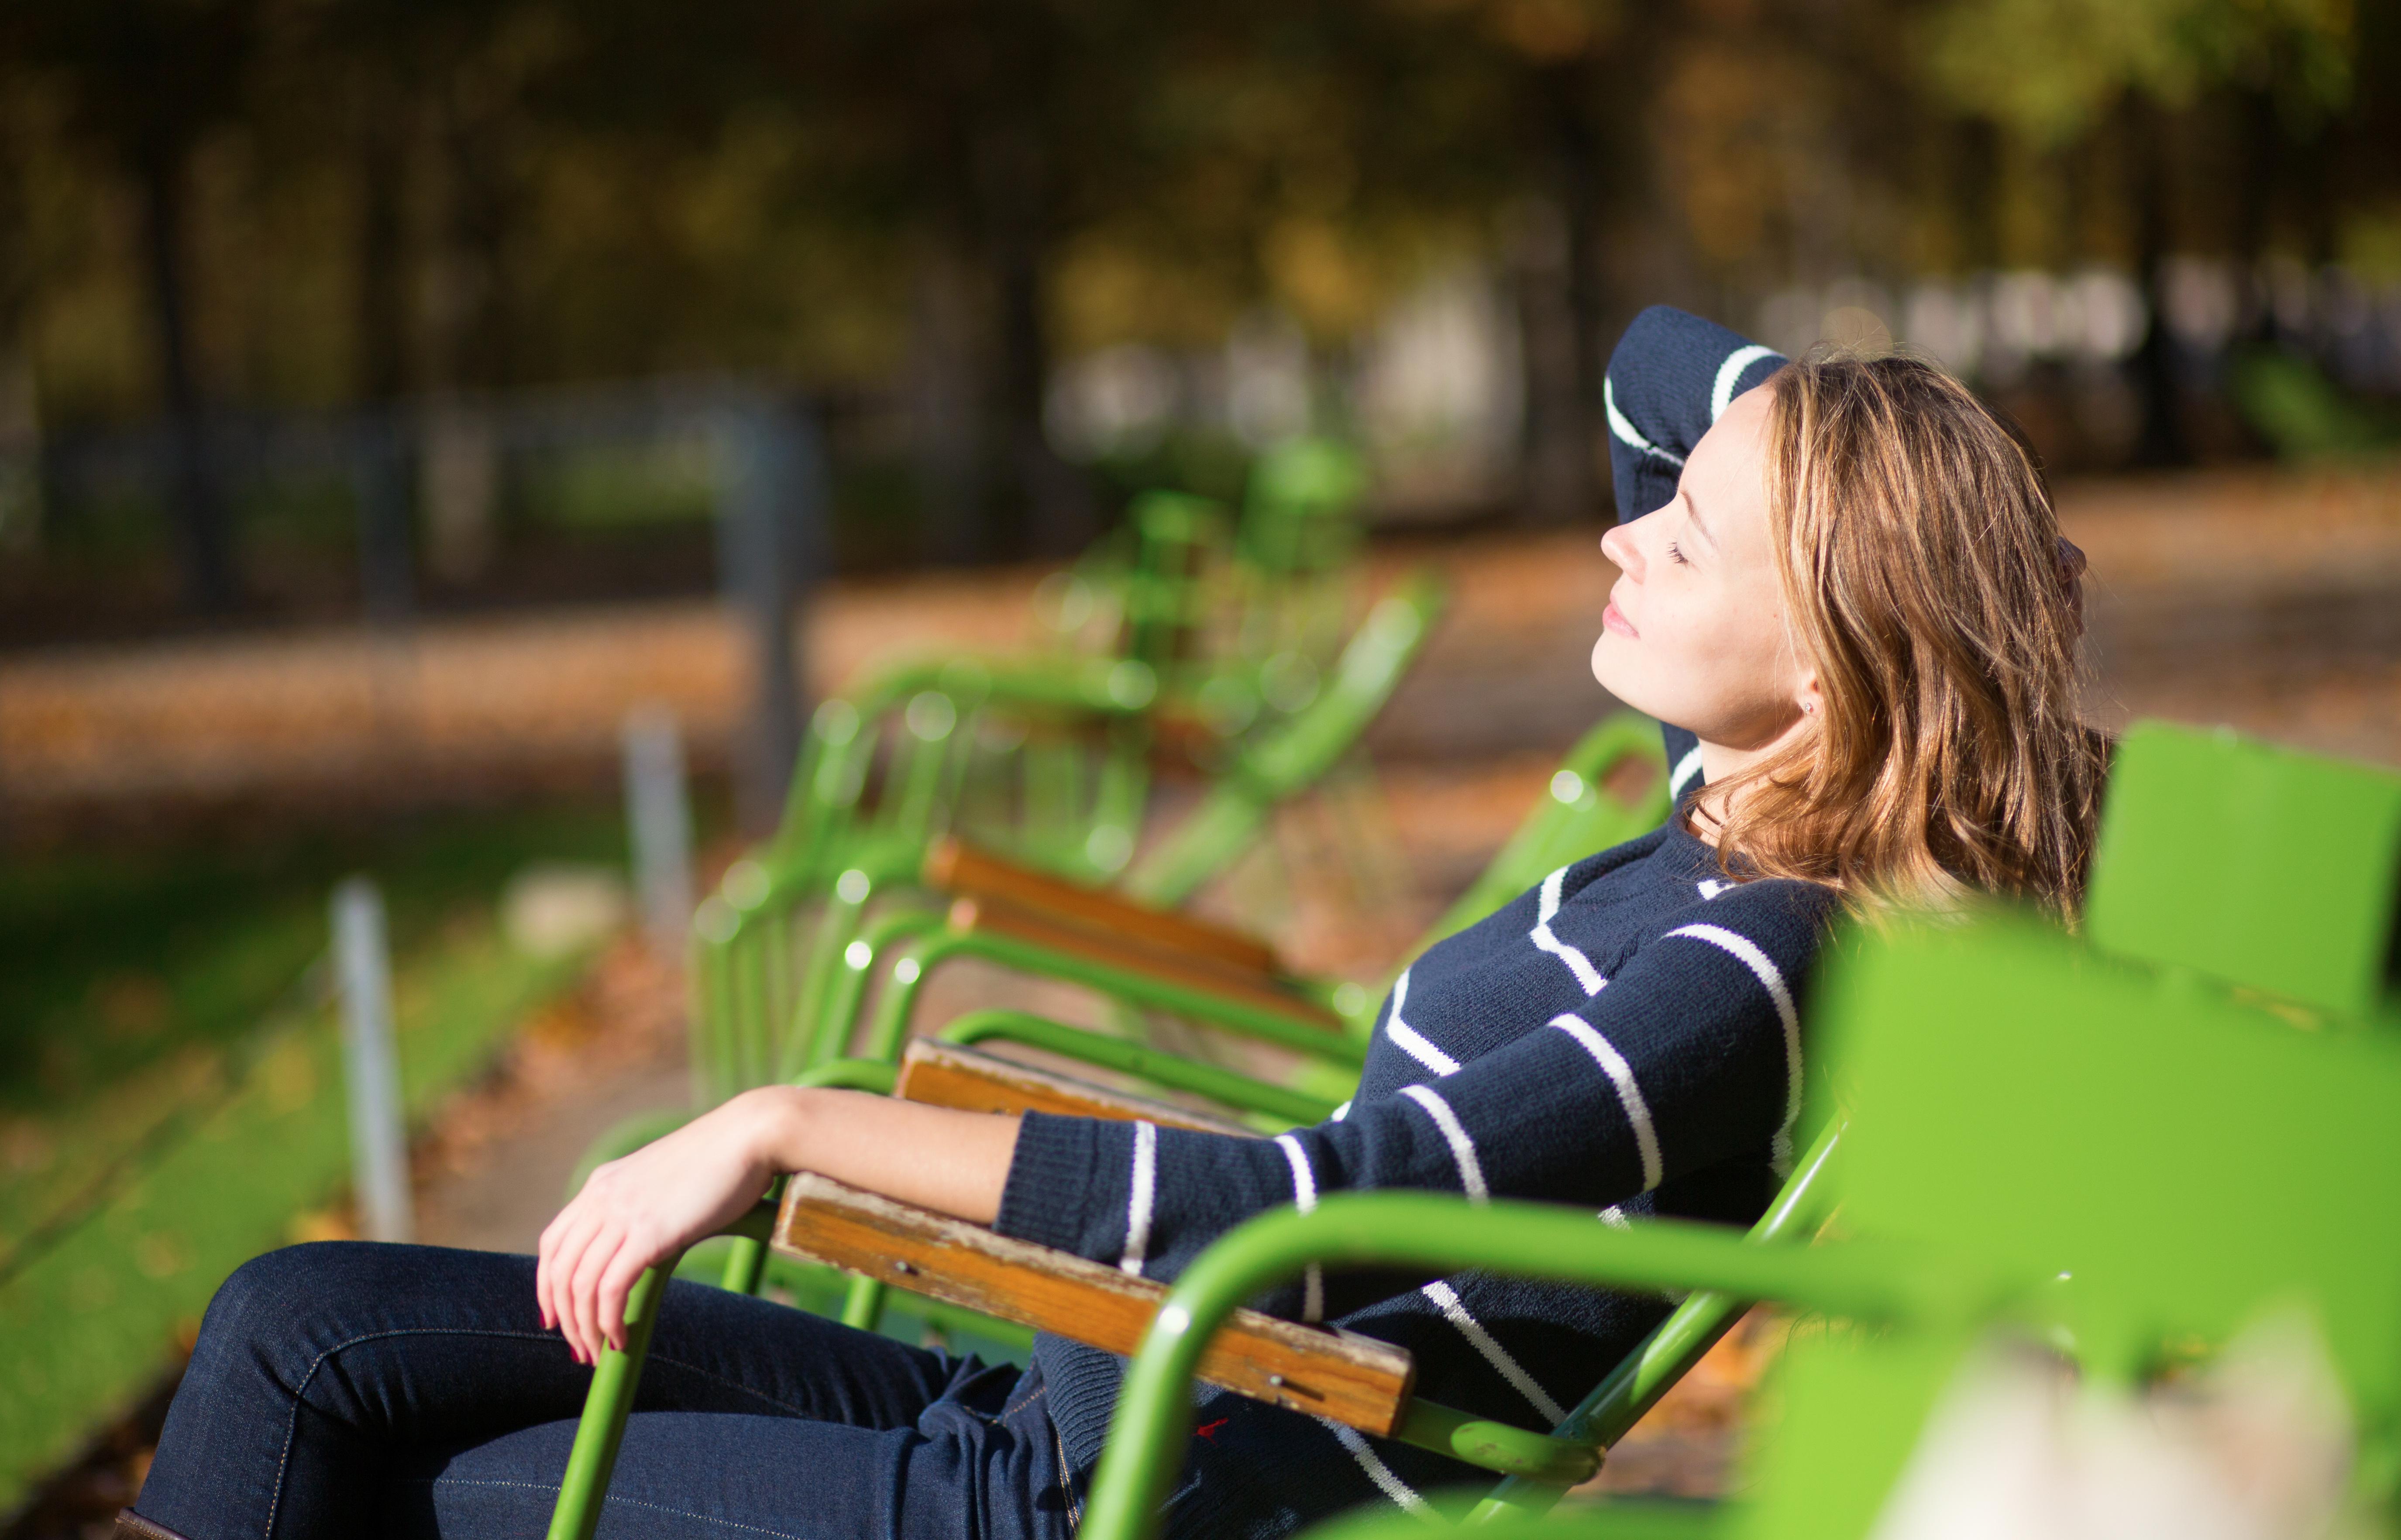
pixel 1613 619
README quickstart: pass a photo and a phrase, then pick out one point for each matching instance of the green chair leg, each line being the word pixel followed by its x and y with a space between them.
pixel 863 1306
pixel 614 1380
pixel 746 1263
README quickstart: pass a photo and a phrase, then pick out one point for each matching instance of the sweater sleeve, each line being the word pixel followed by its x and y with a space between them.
pixel 1670 377
pixel 1688 1056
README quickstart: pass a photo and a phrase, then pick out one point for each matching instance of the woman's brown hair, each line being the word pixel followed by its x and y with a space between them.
pixel 1923 575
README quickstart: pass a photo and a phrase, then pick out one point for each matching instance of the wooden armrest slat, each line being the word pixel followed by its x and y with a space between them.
pixel 1354 1380
pixel 953 867
pixel 1000 917
pixel 943 1074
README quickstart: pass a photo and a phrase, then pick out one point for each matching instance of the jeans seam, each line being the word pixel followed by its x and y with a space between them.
pixel 630 1502
pixel 1067 1483
pixel 801 1412
pixel 300 1392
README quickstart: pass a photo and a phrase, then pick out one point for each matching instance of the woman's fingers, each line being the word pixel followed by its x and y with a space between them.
pixel 584 1225
pixel 583 1287
pixel 617 1284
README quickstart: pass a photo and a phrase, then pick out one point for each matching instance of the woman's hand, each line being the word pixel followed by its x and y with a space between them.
pixel 645 1208
pixel 639 1211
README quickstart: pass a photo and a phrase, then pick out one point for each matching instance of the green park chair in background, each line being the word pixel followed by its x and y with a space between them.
pixel 1579 815
pixel 1149 957
pixel 761 994
pixel 1046 756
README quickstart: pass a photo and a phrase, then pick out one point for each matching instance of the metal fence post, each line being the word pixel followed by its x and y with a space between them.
pixel 371 1063
pixel 658 826
pixel 771 506
pixel 379 484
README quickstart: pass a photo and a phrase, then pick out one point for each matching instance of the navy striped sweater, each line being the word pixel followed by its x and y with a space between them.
pixel 1625 1038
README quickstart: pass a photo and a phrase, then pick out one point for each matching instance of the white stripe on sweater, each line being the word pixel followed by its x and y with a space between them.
pixel 1454 1310
pixel 1772 978
pixel 1578 964
pixel 1454 1133
pixel 1304 1198
pixel 1139 1201
pixel 1625 429
pixel 1410 1040
pixel 1722 393
pixel 1681 777
pixel 1630 1094
pixel 1615 1217
pixel 1381 1474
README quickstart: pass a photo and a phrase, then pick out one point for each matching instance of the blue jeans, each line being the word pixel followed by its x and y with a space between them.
pixel 343 1388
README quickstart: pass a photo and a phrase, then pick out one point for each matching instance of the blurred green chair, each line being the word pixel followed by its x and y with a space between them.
pixel 768 1012
pixel 1238 987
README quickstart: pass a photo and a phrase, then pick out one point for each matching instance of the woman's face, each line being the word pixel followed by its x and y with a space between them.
pixel 1695 633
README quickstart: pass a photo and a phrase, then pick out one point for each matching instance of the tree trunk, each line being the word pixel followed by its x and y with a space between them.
pixel 2162 440
pixel 943 405
pixel 1060 515
pixel 381 316
pixel 202 546
pixel 1573 368
pixel 1580 191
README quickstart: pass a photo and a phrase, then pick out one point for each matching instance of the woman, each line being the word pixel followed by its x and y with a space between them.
pixel 1845 592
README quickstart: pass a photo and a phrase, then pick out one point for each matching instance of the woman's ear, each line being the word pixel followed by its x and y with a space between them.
pixel 1811 701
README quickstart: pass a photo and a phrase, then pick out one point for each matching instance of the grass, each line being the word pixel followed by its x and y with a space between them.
pixel 170 1090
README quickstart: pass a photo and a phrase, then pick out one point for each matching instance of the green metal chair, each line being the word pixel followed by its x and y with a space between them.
pixel 2079 1065
pixel 1939 1233
pixel 2116 1233
pixel 1579 816
pixel 762 1015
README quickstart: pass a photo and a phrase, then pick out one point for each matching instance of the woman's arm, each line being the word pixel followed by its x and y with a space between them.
pixel 1688 1057
pixel 637 1212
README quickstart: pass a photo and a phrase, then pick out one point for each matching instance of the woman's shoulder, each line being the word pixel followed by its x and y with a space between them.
pixel 1673 880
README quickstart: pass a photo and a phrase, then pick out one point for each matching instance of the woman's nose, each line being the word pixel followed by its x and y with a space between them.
pixel 1619 546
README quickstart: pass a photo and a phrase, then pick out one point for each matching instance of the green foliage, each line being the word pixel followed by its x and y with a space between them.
pixel 2051 69
pixel 2291 403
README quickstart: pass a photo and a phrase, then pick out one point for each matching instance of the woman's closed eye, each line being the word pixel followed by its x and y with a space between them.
pixel 1676 555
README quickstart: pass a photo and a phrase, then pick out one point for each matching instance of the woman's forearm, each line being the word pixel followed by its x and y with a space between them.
pixel 934 1157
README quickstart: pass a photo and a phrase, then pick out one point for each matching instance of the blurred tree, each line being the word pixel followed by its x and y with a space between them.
pixel 2055 71
pixel 146 80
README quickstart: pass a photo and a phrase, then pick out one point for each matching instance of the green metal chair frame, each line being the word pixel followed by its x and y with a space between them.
pixel 1577 815
pixel 761 1011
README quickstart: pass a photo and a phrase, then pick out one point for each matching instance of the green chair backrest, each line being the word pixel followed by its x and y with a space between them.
pixel 2251 864
pixel 2152 1167
pixel 1296 512
pixel 1297 752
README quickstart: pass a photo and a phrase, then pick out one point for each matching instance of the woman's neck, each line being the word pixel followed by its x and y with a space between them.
pixel 1720 764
